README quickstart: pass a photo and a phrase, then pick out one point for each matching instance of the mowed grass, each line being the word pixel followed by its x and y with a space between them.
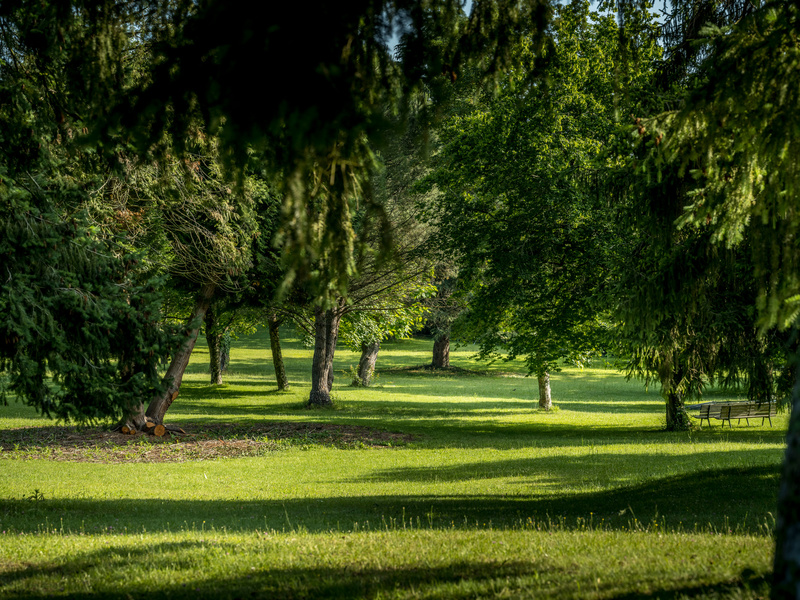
pixel 490 498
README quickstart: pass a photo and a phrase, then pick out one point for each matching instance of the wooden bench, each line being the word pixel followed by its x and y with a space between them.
pixel 728 411
pixel 738 411
pixel 708 411
pixel 765 410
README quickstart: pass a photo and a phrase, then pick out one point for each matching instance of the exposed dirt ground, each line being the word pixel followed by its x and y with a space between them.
pixel 200 442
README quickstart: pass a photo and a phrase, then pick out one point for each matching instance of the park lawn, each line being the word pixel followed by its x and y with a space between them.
pixel 479 494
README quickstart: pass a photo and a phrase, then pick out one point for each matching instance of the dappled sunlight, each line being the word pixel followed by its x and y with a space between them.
pixel 464 451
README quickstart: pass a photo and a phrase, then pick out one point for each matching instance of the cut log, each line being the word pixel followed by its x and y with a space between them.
pixel 125 429
pixel 149 425
pixel 159 430
pixel 175 395
pixel 174 428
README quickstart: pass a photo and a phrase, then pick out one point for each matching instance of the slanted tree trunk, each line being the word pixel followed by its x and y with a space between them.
pixel 277 356
pixel 214 341
pixel 441 351
pixel 786 566
pixel 366 366
pixel 161 402
pixel 326 330
pixel 545 399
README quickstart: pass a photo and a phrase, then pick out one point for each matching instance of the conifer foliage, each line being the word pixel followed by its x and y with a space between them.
pixel 80 332
pixel 80 338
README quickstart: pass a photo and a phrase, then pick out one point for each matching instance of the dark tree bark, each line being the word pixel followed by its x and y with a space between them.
pixel 366 365
pixel 134 418
pixel 677 417
pixel 214 341
pixel 326 330
pixel 545 399
pixel 761 380
pixel 161 402
pixel 441 351
pixel 277 355
pixel 225 351
pixel 786 567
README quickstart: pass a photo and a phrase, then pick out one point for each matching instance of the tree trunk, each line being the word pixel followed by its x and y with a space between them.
pixel 760 378
pixel 366 366
pixel 225 351
pixel 214 340
pixel 441 351
pixel 326 330
pixel 277 356
pixel 172 380
pixel 677 417
pixel 545 399
pixel 134 418
pixel 786 568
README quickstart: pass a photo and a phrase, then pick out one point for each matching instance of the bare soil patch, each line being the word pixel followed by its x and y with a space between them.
pixel 201 442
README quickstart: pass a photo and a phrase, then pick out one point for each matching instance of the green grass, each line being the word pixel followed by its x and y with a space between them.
pixel 489 498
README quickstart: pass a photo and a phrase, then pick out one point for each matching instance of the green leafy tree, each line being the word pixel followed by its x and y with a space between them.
pixel 393 315
pixel 74 77
pixel 388 290
pixel 441 310
pixel 178 213
pixel 193 225
pixel 520 208
pixel 685 307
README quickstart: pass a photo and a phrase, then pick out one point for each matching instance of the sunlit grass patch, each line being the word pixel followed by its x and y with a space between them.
pixel 484 495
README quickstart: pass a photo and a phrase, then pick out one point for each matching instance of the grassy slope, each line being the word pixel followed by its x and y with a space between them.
pixel 590 500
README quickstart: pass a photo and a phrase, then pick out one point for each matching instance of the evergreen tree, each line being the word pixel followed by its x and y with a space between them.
pixel 79 313
pixel 81 328
pixel 736 137
pixel 335 91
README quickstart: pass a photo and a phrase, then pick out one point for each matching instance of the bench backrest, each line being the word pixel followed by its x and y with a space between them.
pixel 739 411
pixel 710 411
pixel 765 409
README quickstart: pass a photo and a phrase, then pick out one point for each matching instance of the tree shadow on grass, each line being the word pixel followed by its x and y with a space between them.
pixel 540 577
pixel 720 499
pixel 592 465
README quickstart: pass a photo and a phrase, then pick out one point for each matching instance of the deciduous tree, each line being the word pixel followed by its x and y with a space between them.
pixel 520 204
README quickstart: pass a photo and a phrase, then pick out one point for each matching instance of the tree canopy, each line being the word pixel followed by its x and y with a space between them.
pixel 519 198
